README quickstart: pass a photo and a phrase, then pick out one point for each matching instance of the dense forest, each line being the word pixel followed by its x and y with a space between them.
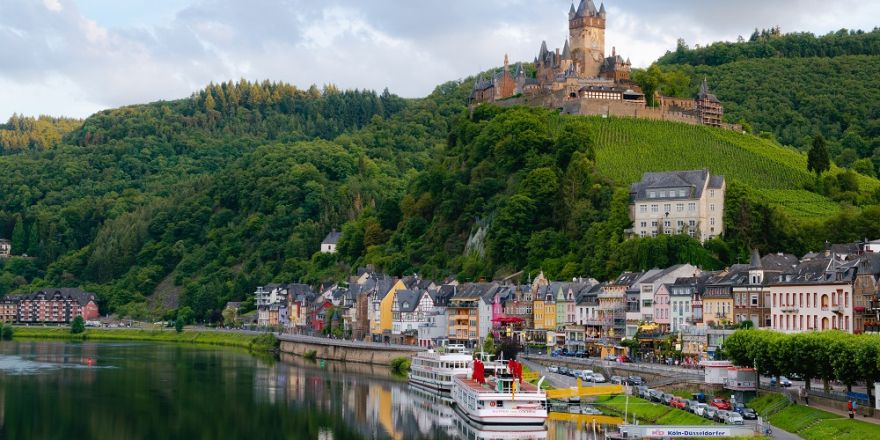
pixel 790 87
pixel 197 201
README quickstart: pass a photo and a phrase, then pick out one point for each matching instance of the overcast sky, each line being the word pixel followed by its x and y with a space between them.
pixel 74 57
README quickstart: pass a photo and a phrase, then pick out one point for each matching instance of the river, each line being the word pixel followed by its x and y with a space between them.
pixel 113 390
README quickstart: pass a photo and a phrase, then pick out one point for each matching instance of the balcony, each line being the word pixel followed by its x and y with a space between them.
pixel 789 309
pixel 836 309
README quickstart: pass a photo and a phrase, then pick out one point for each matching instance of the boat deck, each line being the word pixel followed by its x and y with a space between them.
pixel 525 387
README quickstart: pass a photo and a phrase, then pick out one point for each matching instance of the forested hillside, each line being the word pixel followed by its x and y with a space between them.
pixel 22 134
pixel 793 87
pixel 196 202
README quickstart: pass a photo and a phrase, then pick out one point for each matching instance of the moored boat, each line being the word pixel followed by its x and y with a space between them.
pixel 499 399
pixel 435 370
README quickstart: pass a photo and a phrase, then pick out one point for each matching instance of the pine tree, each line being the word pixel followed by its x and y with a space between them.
pixel 19 237
pixel 33 248
pixel 817 158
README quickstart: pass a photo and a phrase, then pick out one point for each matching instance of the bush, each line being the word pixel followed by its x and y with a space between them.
pixel 78 325
pixel 178 325
pixel 310 354
pixel 265 342
pixel 400 365
pixel 7 332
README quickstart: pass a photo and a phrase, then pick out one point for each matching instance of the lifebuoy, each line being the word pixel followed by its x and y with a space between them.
pixel 491 403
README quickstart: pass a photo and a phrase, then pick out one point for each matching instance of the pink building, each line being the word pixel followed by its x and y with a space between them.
pixel 59 305
pixel 816 295
pixel 661 307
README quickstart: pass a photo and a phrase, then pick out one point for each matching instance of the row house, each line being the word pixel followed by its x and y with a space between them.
pixel 816 295
pixel 750 289
pixel 866 291
pixel 612 300
pixel 520 306
pixel 434 327
pixel 718 296
pixel 55 305
pixel 587 312
pixel 650 284
pixel 463 316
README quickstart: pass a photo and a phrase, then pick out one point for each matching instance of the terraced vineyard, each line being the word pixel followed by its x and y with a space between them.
pixel 626 148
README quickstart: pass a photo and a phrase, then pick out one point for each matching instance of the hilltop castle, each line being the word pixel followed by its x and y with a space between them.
pixel 580 79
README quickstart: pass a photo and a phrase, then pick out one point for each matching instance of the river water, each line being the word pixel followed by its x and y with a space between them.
pixel 66 390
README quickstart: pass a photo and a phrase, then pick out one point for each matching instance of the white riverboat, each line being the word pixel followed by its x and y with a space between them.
pixel 500 399
pixel 435 370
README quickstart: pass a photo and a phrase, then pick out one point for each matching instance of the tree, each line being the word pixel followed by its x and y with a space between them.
pixel 864 167
pixel 19 237
pixel 178 325
pixel 747 325
pixel 817 158
pixel 7 332
pixel 78 325
pixel 489 344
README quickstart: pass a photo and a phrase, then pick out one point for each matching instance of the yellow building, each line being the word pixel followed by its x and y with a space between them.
pixel 718 303
pixel 381 322
pixel 538 312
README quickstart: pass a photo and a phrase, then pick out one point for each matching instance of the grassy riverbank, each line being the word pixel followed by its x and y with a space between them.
pixel 647 412
pixel 227 339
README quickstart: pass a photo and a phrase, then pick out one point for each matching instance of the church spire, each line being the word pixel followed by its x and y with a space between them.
pixel 571 12
pixel 602 10
pixel 506 64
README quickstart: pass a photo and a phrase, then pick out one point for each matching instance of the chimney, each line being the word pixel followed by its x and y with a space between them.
pixel 613 51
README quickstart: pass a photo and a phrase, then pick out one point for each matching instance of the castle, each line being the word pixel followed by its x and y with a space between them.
pixel 580 79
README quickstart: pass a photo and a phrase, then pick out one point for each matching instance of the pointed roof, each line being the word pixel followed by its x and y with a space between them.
pixel 704 92
pixel 571 11
pixel 756 260
pixel 586 8
pixel 566 51
pixel 543 51
pixel 602 10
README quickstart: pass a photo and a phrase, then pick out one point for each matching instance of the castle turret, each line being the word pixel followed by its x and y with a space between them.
pixel 587 35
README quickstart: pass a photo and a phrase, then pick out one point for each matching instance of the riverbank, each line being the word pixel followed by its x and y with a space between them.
pixel 248 341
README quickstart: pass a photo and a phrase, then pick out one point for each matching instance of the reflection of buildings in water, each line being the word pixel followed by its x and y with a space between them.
pixel 325 434
pixel 432 414
pixel 471 432
pixel 381 408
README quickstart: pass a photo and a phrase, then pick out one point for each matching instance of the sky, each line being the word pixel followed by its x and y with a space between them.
pixel 75 57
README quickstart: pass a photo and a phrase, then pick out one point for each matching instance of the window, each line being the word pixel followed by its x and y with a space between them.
pixel 654 223
pixel 711 193
pixel 679 207
pixel 754 299
pixel 643 208
pixel 667 207
pixel 644 224
pixel 652 195
pixel 681 193
pixel 662 194
pixel 667 223
pixel 680 223
pixel 654 208
pixel 692 206
pixel 712 207
pixel 692 223
pixel 712 221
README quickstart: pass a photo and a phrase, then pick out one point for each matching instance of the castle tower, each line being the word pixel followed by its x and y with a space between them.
pixel 586 27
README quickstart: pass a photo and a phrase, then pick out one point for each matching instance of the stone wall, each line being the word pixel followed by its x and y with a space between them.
pixel 345 351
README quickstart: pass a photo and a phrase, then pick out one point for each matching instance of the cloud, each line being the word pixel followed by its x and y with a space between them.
pixel 74 57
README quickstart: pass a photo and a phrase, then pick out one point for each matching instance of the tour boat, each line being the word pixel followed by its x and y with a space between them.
pixel 435 370
pixel 502 399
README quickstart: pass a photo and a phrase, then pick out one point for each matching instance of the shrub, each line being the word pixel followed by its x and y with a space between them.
pixel 7 332
pixel 78 325
pixel 400 365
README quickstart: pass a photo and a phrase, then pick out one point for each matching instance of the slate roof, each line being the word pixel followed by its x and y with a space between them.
pixel 755 262
pixel 407 300
pixel 627 278
pixel 693 179
pixel 779 262
pixel 74 293
pixel 660 274
pixel 332 237
pixel 705 94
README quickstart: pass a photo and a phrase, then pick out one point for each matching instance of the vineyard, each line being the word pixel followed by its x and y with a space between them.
pixel 626 148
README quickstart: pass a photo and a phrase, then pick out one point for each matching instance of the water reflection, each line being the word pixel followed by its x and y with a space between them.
pixel 141 390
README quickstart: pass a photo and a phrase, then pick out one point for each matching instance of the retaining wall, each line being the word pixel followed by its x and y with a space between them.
pixel 345 351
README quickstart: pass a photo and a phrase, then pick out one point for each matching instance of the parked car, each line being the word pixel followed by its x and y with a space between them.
pixel 618 380
pixel 720 404
pixel 590 411
pixel 710 412
pixel 623 359
pixel 635 380
pixel 749 414
pixel 721 416
pixel 699 409
pixel 666 398
pixel 563 370
pixel 677 402
pixel 598 378
pixel 688 404
pixel 574 409
pixel 734 418
pixel 553 369
pixel 580 354
pixel 655 395
pixel 784 382
pixel 611 358
pixel 642 391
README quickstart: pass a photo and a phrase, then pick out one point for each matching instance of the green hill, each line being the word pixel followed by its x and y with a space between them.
pixel 626 148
